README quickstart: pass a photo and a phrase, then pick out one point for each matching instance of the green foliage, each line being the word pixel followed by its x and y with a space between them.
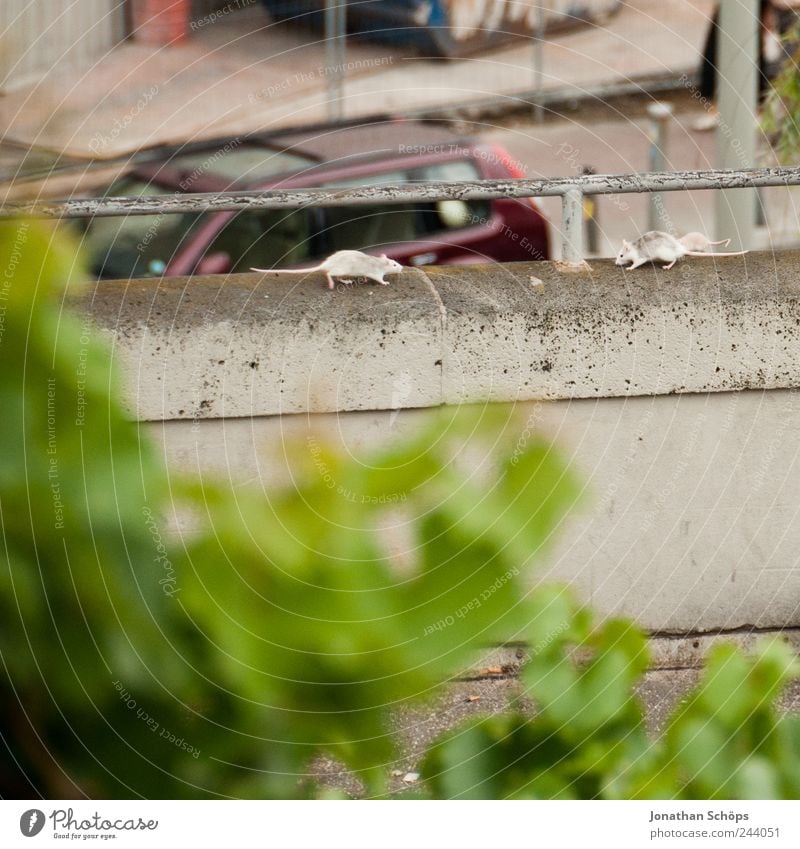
pixel 587 739
pixel 308 613
pixel 780 116
pixel 79 594
pixel 727 741
pixel 587 735
pixel 221 660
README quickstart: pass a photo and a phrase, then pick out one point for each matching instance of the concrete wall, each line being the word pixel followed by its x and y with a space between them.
pixel 672 394
pixel 36 33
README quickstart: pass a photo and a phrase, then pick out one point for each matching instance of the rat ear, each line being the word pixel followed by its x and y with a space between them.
pixel 625 243
pixel 383 256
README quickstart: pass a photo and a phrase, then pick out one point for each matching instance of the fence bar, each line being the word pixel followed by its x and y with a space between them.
pixel 335 47
pixel 591 184
pixel 591 218
pixel 739 36
pixel 572 225
pixel 538 62
pixel 659 114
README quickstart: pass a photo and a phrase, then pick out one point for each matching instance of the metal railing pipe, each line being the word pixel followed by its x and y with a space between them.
pixel 591 184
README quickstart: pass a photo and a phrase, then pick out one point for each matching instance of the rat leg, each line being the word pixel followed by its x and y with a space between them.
pixel 636 264
pixel 667 267
pixel 331 281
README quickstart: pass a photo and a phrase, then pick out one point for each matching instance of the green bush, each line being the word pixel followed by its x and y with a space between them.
pixel 781 110
pixel 588 740
pixel 168 637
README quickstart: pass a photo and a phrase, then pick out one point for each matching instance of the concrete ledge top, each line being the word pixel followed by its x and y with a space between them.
pixel 253 344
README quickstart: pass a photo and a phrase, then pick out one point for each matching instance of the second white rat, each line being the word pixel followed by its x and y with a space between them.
pixel 655 246
pixel 699 242
pixel 347 266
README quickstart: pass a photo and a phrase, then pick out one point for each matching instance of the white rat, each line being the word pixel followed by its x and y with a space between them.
pixel 656 246
pixel 348 265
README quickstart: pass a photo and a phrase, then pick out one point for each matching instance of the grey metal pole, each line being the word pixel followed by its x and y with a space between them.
pixel 572 225
pixel 335 56
pixel 737 100
pixel 591 217
pixel 341 31
pixel 538 63
pixel 592 184
pixel 659 114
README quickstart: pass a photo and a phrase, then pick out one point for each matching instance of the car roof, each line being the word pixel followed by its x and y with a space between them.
pixel 364 141
pixel 323 147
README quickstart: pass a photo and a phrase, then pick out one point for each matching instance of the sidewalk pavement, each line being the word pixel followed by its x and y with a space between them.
pixel 241 73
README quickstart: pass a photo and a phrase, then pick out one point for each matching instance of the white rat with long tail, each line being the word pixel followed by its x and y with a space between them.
pixel 346 266
pixel 656 246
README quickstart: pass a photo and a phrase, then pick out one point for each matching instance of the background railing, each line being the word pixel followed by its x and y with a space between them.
pixel 571 190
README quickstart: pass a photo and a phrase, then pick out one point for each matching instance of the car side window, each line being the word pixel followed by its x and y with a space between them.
pixel 266 238
pixel 453 214
pixel 375 226
pixel 135 245
pixel 367 227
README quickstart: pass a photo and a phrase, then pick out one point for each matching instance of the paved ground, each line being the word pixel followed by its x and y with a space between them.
pixel 244 73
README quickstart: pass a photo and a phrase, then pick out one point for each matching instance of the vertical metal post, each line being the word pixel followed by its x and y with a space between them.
pixel 659 114
pixel 572 225
pixel 335 56
pixel 761 208
pixel 737 95
pixel 538 63
pixel 591 217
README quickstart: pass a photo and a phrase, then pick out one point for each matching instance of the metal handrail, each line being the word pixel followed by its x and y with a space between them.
pixel 571 190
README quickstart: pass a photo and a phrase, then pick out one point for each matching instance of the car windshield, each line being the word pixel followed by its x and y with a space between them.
pixel 135 245
pixel 244 164
pixel 143 245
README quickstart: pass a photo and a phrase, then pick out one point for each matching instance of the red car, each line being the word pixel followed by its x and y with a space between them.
pixel 391 152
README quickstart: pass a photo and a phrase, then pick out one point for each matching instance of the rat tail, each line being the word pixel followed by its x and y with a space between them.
pixel 716 253
pixel 283 270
